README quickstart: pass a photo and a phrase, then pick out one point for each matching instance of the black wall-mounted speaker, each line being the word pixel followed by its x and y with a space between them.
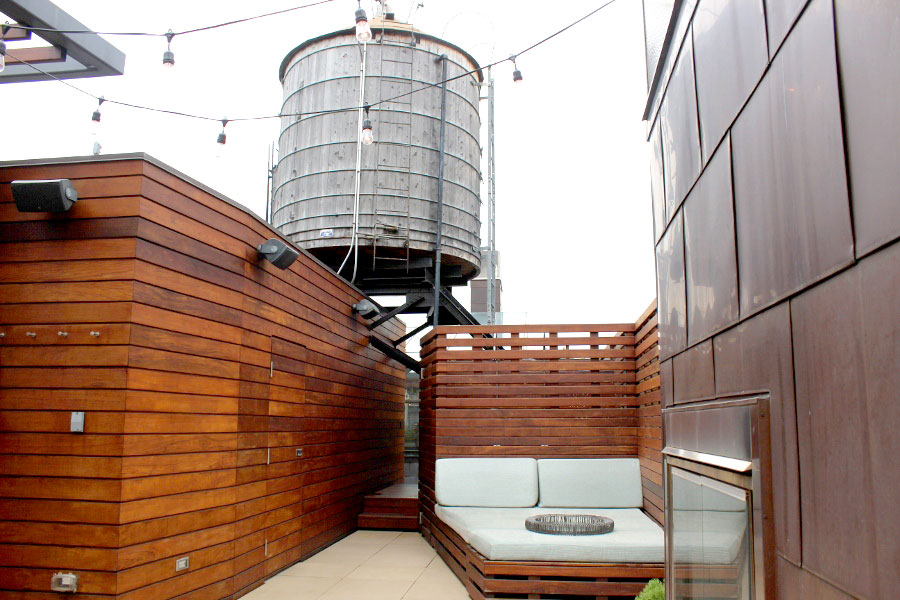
pixel 48 195
pixel 278 253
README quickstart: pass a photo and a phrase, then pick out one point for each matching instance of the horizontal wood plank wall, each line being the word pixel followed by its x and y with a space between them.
pixel 544 391
pixel 210 373
pixel 648 413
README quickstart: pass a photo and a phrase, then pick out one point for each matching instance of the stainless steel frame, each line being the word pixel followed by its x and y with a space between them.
pixel 725 440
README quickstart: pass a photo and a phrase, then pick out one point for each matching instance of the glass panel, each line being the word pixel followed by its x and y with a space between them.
pixel 711 537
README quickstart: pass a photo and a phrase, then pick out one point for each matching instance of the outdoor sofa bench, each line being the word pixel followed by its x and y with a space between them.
pixel 479 527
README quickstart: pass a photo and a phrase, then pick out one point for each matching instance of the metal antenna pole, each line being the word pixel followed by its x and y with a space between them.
pixel 440 195
pixel 270 185
pixel 492 206
pixel 269 169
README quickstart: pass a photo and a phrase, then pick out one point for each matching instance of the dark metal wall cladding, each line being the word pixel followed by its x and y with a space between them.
pixel 670 290
pixel 667 388
pixel 711 266
pixel 791 203
pixel 680 132
pixel 657 184
pixel 730 56
pixel 780 15
pixel 869 52
pixel 879 282
pixel 846 353
pixel 808 311
pixel 753 357
pixel 694 375
pixel 794 582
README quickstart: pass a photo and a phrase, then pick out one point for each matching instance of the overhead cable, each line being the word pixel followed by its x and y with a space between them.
pixel 151 34
pixel 511 58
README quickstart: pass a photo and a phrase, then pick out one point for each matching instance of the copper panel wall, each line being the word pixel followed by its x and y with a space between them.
pixel 693 373
pixel 206 371
pixel 667 383
pixel 711 265
pixel 790 186
pixel 670 290
pixel 868 35
pixel 794 582
pixel 730 56
pixel 755 357
pixel 846 356
pixel 814 233
pixel 780 17
pixel 879 280
pixel 657 184
pixel 680 132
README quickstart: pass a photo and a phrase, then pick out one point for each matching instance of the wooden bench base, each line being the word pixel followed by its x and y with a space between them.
pixel 485 578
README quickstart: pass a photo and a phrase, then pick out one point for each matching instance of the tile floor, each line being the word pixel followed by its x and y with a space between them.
pixel 367 565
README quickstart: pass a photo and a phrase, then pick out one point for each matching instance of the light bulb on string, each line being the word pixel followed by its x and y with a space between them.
pixel 367 136
pixel 220 141
pixel 95 128
pixel 363 31
pixel 168 55
pixel 517 74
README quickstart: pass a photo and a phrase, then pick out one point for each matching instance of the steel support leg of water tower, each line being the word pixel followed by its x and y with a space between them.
pixel 421 327
pixel 391 352
pixel 393 313
pixel 457 313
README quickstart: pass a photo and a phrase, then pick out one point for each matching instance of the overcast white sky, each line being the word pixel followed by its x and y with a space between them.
pixel 574 225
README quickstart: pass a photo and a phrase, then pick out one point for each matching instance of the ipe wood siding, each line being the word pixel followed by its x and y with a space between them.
pixel 202 372
pixel 774 132
pixel 543 391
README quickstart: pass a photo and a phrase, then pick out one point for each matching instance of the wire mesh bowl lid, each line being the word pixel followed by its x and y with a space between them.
pixel 569 524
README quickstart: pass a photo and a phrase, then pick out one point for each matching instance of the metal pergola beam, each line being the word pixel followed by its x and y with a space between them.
pixel 83 54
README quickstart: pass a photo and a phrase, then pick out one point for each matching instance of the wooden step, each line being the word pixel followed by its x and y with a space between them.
pixel 392 522
pixel 395 507
pixel 392 506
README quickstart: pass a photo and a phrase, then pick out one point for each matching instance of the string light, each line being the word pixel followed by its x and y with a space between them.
pixel 367 136
pixel 168 55
pixel 220 141
pixel 517 74
pixel 363 31
pixel 95 128
pixel 221 138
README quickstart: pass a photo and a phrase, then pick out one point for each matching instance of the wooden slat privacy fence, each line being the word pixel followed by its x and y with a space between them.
pixel 544 391
pixel 647 406
pixel 234 412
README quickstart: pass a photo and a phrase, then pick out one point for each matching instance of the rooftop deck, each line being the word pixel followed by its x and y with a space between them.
pixel 375 565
